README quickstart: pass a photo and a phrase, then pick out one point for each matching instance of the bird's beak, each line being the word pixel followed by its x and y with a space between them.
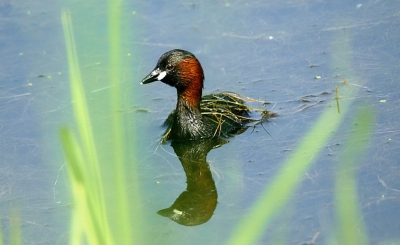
pixel 155 75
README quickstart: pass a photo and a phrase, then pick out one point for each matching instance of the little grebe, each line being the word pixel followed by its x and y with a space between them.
pixel 197 117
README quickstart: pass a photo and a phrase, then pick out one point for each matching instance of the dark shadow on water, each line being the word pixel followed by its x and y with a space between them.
pixel 197 203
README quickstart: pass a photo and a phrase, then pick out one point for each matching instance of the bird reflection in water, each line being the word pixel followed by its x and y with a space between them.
pixel 197 203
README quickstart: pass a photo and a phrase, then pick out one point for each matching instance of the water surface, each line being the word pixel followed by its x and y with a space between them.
pixel 269 51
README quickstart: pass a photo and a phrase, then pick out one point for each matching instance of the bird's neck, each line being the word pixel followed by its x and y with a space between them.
pixel 191 79
pixel 188 121
pixel 190 99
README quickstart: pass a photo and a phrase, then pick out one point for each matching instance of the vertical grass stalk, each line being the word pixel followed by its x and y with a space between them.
pixel 278 192
pixel 350 227
pixel 114 37
pixel 15 227
pixel 1 233
pixel 83 166
pixel 85 218
pixel 250 230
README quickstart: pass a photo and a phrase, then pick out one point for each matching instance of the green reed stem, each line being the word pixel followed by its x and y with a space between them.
pixel 350 228
pixel 114 35
pixel 83 165
pixel 15 228
pixel 1 233
pixel 278 192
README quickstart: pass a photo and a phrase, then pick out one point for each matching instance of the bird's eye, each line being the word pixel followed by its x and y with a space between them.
pixel 169 67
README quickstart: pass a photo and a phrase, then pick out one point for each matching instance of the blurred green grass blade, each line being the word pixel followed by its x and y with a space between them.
pixel 15 227
pixel 114 34
pixel 74 160
pixel 80 107
pixel 76 231
pixel 275 196
pixel 351 229
pixel 1 233
pixel 88 191
pixel 279 191
pixel 74 156
pixel 86 210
